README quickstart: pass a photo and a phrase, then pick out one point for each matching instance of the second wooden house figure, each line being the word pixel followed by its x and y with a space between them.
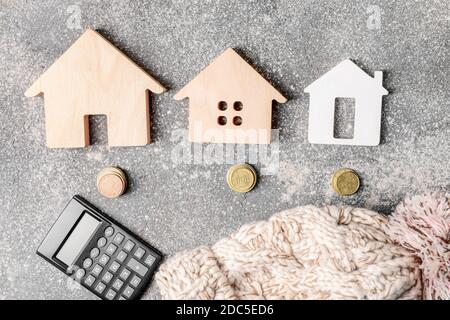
pixel 230 102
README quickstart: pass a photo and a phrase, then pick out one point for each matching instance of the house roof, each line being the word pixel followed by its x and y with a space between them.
pixel 229 74
pixel 88 41
pixel 347 74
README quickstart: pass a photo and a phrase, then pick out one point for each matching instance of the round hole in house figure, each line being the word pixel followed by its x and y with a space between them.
pixel 222 120
pixel 238 106
pixel 223 106
pixel 237 121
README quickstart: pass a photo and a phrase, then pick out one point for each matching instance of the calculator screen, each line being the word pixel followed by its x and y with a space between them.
pixel 77 239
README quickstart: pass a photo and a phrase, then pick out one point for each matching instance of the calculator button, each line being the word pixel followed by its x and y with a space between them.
pixel 104 259
pixel 111 249
pixel 117 284
pixel 107 277
pixel 80 273
pixel 128 291
pixel 149 260
pixel 114 266
pixel 119 238
pixel 109 231
pixel 122 256
pixel 137 267
pixel 100 287
pixel 89 280
pixel 87 263
pixel 101 242
pixel 95 252
pixel 135 281
pixel 125 274
pixel 110 294
pixel 139 253
pixel 97 270
pixel 122 298
pixel 128 246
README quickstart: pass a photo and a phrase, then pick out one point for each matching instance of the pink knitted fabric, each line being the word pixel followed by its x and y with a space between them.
pixel 422 225
pixel 322 253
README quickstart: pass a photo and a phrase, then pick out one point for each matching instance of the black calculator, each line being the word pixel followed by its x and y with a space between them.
pixel 99 253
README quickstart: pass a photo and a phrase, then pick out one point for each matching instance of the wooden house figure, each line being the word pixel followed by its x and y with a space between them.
pixel 230 102
pixel 346 80
pixel 93 77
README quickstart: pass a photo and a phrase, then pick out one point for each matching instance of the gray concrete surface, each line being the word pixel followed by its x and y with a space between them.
pixel 181 206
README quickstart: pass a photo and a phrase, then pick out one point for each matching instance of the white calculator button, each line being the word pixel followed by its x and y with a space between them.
pixel 139 253
pixel 110 294
pixel 128 291
pixel 107 277
pixel 114 266
pixel 135 281
pixel 117 284
pixel 137 267
pixel 128 246
pixel 97 270
pixel 109 231
pixel 90 279
pixel 95 252
pixel 118 238
pixel 122 256
pixel 125 274
pixel 87 263
pixel 101 242
pixel 111 248
pixel 104 259
pixel 149 260
pixel 100 287
pixel 80 273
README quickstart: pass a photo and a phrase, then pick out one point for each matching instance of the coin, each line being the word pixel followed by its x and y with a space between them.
pixel 111 170
pixel 241 178
pixel 345 182
pixel 111 182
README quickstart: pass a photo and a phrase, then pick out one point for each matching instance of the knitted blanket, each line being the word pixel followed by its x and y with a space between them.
pixel 323 253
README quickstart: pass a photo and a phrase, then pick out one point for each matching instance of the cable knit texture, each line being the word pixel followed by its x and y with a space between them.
pixel 422 225
pixel 302 253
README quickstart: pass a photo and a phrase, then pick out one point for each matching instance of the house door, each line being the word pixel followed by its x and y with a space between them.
pixel 344 118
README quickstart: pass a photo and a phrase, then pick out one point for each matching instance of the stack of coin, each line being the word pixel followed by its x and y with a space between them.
pixel 111 182
pixel 345 182
pixel 241 178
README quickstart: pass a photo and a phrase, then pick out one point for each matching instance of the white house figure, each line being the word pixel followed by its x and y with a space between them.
pixel 346 80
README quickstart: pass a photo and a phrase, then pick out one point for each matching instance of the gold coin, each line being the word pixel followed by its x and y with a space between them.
pixel 111 182
pixel 241 178
pixel 345 182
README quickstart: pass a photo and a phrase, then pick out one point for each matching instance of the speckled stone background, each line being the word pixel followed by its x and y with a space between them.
pixel 178 207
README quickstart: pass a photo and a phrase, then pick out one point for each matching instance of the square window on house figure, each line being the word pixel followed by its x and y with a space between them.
pixel 344 118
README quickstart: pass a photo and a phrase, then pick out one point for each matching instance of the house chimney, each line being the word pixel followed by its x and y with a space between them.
pixel 378 76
